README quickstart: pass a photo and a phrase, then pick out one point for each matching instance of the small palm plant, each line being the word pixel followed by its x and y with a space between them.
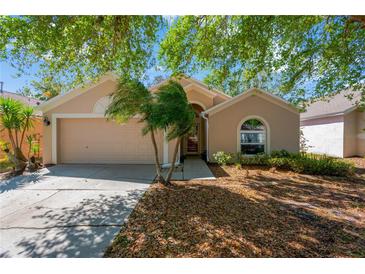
pixel 16 120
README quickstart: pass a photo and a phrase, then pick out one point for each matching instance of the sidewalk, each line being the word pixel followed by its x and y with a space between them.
pixel 194 169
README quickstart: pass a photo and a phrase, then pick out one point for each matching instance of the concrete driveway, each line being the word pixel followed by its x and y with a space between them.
pixel 68 210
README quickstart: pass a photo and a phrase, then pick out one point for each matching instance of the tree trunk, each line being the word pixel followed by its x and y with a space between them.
pixel 159 178
pixel 171 170
pixel 18 159
pixel 11 137
pixel 22 137
pixel 17 138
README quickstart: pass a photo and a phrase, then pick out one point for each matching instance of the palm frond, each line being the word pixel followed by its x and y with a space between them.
pixel 128 100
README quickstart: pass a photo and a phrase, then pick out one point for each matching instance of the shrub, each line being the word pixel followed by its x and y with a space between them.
pixel 301 163
pixel 280 153
pixel 320 165
pixel 307 163
pixel 258 160
pixel 283 163
pixel 222 158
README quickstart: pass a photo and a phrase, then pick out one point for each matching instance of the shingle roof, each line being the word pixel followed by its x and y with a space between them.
pixel 337 104
pixel 26 100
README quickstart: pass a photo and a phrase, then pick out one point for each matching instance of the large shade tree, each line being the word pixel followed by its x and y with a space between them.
pixel 73 49
pixel 296 56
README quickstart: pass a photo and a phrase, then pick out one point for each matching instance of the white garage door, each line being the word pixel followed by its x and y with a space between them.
pixel 96 140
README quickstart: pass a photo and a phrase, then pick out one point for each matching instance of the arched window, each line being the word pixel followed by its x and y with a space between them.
pixel 253 137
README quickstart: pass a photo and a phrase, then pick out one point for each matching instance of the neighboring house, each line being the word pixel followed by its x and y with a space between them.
pixel 335 126
pixel 37 121
pixel 252 122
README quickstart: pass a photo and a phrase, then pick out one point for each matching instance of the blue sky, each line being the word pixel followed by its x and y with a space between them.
pixel 11 82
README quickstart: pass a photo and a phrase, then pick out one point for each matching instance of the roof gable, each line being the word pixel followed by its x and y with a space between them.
pixel 253 92
pixel 63 98
pixel 330 106
pixel 190 82
pixel 24 99
pixel 32 102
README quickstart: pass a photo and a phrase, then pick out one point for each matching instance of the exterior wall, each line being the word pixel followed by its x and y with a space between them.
pixel 202 135
pixel 325 135
pixel 37 129
pixel 339 136
pixel 83 103
pixel 361 133
pixel 283 126
pixel 350 134
pixel 172 144
pixel 47 143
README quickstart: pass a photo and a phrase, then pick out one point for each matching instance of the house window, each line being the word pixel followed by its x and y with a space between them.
pixel 253 137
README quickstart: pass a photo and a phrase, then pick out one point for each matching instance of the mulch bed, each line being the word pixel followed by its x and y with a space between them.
pixel 251 212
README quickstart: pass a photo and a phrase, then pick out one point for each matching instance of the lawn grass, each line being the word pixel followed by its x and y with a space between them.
pixel 248 212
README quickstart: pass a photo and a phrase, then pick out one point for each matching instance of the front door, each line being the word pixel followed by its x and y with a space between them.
pixel 193 140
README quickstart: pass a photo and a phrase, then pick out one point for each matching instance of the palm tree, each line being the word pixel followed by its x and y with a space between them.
pixel 130 99
pixel 167 110
pixel 174 114
pixel 16 120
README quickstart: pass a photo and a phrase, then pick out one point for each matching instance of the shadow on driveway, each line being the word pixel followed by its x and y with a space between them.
pixel 122 173
pixel 84 231
pixel 68 211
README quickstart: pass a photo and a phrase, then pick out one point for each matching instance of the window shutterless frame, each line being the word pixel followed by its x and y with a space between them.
pixel 265 142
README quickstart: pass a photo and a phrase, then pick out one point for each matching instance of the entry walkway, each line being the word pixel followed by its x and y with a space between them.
pixel 193 169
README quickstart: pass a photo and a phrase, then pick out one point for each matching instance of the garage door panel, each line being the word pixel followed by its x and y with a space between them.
pixel 100 141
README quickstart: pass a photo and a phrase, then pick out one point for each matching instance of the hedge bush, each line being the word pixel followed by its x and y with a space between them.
pixel 301 163
pixel 222 158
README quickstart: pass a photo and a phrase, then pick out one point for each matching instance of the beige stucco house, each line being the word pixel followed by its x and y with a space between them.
pixel 254 121
pixel 335 126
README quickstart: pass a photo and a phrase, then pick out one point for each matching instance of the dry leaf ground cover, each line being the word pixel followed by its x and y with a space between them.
pixel 248 213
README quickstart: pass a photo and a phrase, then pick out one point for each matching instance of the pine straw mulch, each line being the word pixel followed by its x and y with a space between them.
pixel 248 213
